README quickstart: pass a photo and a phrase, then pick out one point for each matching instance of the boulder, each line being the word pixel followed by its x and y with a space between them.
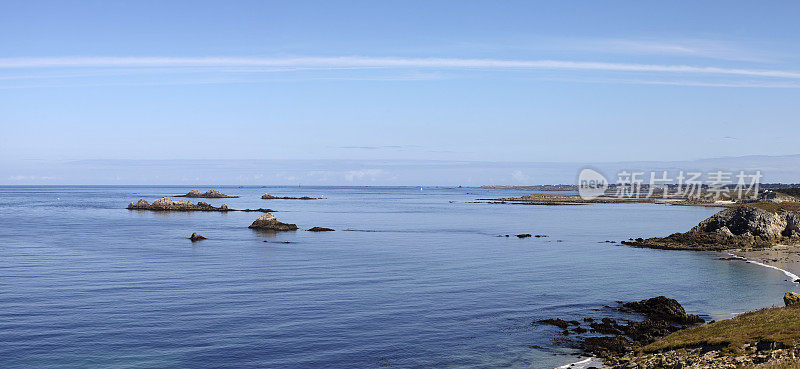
pixel 319 229
pixel 268 222
pixel 196 237
pixel 791 298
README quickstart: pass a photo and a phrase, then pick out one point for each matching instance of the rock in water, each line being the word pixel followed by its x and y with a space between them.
pixel 196 237
pixel 210 194
pixel 665 309
pixel 319 229
pixel 167 204
pixel 268 222
pixel 791 298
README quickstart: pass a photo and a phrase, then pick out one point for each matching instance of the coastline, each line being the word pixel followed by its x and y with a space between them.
pixel 757 352
pixel 785 258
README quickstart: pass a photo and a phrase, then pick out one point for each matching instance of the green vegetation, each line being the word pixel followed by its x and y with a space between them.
pixel 771 324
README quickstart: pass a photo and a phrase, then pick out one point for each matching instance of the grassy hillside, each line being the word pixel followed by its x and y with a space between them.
pixel 772 324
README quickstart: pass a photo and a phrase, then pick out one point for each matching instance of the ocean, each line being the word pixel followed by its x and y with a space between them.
pixel 411 278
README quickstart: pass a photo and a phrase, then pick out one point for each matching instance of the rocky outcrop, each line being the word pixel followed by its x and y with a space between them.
pixel 759 225
pixel 210 194
pixel 167 204
pixel 196 237
pixel 268 222
pixel 607 338
pixel 663 309
pixel 319 229
pixel 267 196
pixel 791 298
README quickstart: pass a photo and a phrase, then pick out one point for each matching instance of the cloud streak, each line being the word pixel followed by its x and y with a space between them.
pixel 357 62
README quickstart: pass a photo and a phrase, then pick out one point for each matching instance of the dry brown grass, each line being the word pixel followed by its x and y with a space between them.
pixel 777 207
pixel 772 324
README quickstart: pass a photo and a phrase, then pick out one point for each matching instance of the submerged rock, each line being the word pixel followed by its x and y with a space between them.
pixel 210 194
pixel 196 237
pixel 319 229
pixel 558 322
pixel 268 222
pixel 167 204
pixel 791 298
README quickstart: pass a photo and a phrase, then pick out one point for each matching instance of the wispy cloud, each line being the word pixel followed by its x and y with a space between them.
pixel 689 47
pixel 357 62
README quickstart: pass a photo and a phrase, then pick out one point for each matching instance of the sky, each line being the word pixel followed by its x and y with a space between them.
pixel 371 82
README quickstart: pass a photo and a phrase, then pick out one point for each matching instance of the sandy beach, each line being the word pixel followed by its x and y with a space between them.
pixel 783 257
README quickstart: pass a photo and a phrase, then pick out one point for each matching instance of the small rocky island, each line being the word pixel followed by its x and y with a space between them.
pixel 757 225
pixel 210 194
pixel 267 196
pixel 268 222
pixel 167 204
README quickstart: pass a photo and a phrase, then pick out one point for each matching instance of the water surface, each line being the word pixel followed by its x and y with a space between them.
pixel 417 282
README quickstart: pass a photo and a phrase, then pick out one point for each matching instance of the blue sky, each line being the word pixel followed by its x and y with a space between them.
pixel 527 81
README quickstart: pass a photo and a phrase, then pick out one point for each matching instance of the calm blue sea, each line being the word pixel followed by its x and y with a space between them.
pixel 420 281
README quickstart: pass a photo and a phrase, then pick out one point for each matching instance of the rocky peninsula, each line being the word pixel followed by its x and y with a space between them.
pixel 268 222
pixel 210 194
pixel 747 226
